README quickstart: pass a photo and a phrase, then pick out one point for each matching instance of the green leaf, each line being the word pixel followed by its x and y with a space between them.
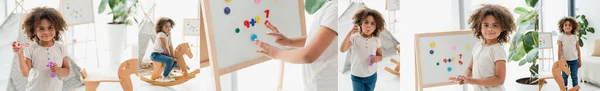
pixel 591 30
pixel 312 6
pixel 522 62
pixel 518 53
pixel 102 6
pixel 583 17
pixel 577 16
pixel 531 3
pixel 583 32
pixel 522 11
pixel 530 40
pixel 580 43
pixel 585 22
pixel 531 56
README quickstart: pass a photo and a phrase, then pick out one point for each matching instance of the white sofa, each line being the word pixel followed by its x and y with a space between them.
pixel 590 69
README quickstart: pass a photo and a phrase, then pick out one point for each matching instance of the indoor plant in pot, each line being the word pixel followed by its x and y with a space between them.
pixel 524 44
pixel 116 30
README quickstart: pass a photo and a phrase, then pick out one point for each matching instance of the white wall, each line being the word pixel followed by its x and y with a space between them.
pixel 590 9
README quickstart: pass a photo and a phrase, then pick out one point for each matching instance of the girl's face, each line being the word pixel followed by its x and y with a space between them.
pixel 490 28
pixel 368 25
pixel 167 27
pixel 567 27
pixel 45 30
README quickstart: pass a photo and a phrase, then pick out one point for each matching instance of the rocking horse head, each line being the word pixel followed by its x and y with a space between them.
pixel 183 48
pixel 562 66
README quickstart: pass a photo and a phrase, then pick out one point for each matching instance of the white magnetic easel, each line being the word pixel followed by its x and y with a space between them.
pixel 73 42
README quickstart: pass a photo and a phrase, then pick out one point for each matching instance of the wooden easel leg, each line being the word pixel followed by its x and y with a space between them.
pixel 91 86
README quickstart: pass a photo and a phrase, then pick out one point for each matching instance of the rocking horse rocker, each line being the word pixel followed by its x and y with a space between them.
pixel 158 68
pixel 557 68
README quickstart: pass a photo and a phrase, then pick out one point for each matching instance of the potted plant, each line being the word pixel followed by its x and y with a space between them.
pixel 584 29
pixel 524 44
pixel 121 10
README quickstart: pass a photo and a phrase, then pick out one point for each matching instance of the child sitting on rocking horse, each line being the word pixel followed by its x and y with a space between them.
pixel 163 48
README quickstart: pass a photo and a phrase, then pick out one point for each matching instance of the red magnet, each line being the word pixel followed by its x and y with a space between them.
pixel 267 12
pixel 460 55
pixel 247 24
pixel 445 60
pixel 460 62
pixel 266 22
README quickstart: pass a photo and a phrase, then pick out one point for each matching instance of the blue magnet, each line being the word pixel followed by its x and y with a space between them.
pixel 227 10
pixel 252 22
pixel 430 51
pixel 449 69
pixel 253 37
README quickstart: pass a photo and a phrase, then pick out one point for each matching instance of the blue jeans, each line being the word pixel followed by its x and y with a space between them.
pixel 364 83
pixel 573 66
pixel 163 58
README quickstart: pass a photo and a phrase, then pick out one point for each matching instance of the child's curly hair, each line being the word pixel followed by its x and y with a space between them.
pixel 574 24
pixel 33 19
pixel 502 16
pixel 161 22
pixel 361 16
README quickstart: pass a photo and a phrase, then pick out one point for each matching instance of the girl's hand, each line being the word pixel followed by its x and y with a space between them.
pixel 354 29
pixel 374 60
pixel 579 64
pixel 467 80
pixel 267 50
pixel 456 80
pixel 279 38
pixel 54 68
pixel 17 49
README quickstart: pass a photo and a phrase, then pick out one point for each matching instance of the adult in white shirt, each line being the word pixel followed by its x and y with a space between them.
pixel 317 50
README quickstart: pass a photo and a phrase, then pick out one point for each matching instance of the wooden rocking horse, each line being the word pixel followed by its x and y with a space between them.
pixel 557 68
pixel 396 70
pixel 158 68
pixel 125 70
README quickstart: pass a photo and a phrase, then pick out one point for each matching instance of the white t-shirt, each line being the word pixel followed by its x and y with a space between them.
pixel 158 46
pixel 39 76
pixel 569 46
pixel 484 59
pixel 321 75
pixel 362 48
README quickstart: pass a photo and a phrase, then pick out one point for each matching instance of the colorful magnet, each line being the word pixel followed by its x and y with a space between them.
pixel 227 10
pixel 267 13
pixel 257 1
pixel 453 58
pixel 257 19
pixel 253 37
pixel 228 1
pixel 445 60
pixel 432 44
pixel 252 22
pixel 468 47
pixel 449 60
pixel 430 51
pixel 460 55
pixel 266 21
pixel 460 62
pixel 453 48
pixel 437 63
pixel 247 24
pixel 237 30
pixel 449 69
